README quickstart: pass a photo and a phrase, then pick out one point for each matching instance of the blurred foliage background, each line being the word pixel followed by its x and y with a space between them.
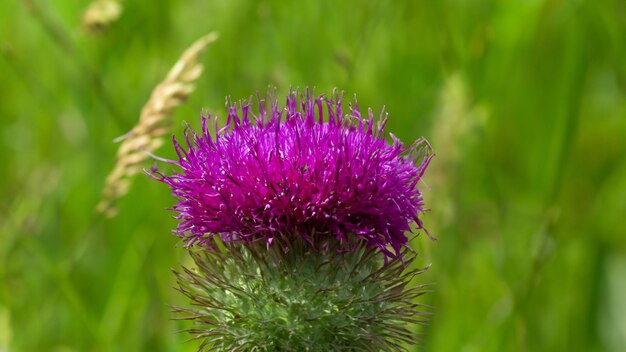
pixel 524 102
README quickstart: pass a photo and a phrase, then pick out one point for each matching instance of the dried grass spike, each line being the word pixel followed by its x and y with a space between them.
pixel 100 15
pixel 154 122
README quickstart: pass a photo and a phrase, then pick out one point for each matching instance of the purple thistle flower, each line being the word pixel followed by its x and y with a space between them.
pixel 303 171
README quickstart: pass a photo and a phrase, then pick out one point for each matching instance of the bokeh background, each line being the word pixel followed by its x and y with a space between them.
pixel 524 102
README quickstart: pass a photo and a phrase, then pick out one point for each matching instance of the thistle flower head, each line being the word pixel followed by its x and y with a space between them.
pixel 305 170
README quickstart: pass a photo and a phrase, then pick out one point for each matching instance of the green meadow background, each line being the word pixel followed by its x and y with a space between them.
pixel 523 101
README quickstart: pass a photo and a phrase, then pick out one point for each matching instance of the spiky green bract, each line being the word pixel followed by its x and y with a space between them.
pixel 254 298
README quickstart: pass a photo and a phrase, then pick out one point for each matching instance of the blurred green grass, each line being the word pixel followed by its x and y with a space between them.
pixel 524 103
